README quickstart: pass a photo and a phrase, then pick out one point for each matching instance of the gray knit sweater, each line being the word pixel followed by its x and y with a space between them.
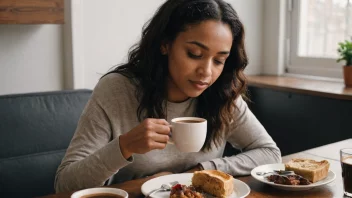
pixel 93 157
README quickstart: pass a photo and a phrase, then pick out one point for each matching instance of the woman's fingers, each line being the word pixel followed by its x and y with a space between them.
pixel 158 145
pixel 161 138
pixel 160 126
pixel 162 129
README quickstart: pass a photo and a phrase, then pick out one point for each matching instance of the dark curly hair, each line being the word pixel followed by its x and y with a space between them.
pixel 149 68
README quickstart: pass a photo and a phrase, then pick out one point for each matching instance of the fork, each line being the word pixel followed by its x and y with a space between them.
pixel 164 187
pixel 277 172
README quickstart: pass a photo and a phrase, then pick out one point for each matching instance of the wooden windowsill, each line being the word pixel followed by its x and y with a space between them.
pixel 336 90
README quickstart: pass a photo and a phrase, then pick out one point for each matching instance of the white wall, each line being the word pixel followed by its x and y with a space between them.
pixel 251 14
pixel 110 29
pixel 30 58
pixel 108 33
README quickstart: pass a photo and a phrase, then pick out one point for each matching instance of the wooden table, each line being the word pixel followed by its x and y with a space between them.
pixel 328 152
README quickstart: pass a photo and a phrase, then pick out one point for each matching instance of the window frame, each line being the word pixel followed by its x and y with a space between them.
pixel 312 66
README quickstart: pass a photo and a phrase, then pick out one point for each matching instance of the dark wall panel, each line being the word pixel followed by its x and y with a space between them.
pixel 298 122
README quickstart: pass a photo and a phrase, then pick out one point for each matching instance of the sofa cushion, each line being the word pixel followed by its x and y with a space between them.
pixel 35 130
pixel 29 175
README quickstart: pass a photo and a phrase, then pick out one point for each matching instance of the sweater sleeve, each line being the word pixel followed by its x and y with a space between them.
pixel 93 156
pixel 248 135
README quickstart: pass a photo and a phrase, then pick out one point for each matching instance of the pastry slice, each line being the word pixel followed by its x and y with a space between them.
pixel 214 182
pixel 310 169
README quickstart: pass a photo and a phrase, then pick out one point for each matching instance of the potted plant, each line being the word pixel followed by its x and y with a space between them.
pixel 345 52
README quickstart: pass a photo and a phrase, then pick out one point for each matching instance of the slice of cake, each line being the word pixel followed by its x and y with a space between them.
pixel 214 182
pixel 310 169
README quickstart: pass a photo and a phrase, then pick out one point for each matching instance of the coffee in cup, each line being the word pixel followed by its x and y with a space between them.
pixel 189 121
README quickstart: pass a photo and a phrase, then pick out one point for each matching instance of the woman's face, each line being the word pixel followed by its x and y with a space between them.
pixel 196 59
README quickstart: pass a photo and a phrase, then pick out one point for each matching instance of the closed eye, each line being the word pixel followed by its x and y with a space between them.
pixel 218 62
pixel 194 56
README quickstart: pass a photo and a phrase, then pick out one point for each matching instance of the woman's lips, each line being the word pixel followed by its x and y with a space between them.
pixel 199 84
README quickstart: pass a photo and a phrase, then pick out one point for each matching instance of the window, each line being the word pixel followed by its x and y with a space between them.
pixel 315 27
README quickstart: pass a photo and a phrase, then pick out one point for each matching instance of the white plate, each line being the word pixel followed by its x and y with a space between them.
pixel 241 188
pixel 270 167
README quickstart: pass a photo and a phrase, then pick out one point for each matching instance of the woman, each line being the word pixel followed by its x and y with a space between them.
pixel 189 62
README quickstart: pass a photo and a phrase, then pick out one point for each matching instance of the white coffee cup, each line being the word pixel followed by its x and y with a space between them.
pixel 188 133
pixel 92 192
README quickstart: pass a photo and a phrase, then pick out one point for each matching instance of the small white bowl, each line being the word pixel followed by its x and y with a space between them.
pixel 92 191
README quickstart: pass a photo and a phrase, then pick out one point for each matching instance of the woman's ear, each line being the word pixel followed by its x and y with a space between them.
pixel 164 49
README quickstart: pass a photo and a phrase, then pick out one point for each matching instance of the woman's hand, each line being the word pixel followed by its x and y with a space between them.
pixel 149 135
pixel 196 168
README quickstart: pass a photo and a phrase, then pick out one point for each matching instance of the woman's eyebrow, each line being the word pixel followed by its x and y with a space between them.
pixel 201 45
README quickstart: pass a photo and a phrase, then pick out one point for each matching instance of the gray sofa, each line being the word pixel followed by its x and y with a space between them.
pixel 35 130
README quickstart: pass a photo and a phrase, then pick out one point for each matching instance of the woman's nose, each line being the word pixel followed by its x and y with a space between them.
pixel 204 69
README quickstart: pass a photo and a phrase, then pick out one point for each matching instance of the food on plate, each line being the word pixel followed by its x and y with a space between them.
pixel 183 191
pixel 292 179
pixel 310 169
pixel 282 172
pixel 213 182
